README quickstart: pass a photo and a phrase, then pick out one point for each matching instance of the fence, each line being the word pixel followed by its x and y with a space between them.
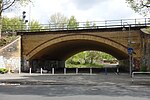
pixel 79 25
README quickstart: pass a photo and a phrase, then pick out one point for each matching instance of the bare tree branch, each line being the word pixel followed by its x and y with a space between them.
pixel 8 5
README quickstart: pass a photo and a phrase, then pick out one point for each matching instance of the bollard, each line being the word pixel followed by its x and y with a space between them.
pixel 64 70
pixel 76 70
pixel 90 71
pixel 30 71
pixel 117 71
pixel 41 71
pixel 53 71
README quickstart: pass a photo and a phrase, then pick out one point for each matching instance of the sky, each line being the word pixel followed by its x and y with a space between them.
pixel 83 10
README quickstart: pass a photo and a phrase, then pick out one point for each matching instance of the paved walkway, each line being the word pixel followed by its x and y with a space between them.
pixel 64 79
pixel 94 79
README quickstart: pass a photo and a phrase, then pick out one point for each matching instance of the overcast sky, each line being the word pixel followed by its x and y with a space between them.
pixel 83 10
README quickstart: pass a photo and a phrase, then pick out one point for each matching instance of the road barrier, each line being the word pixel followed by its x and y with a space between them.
pixel 140 76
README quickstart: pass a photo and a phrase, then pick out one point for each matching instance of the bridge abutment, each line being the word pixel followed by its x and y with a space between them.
pixel 37 64
pixel 145 60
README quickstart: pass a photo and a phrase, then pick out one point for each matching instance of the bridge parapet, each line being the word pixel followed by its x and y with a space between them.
pixel 141 22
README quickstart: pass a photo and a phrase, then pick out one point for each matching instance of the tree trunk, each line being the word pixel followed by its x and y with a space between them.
pixel 0 19
pixel 0 25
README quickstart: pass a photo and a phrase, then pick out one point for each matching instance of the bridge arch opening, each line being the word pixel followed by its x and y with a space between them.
pixel 61 48
pixel 62 51
pixel 91 59
pixel 58 52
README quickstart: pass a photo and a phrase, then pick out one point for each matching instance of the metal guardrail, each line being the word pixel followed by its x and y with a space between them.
pixel 80 25
pixel 141 76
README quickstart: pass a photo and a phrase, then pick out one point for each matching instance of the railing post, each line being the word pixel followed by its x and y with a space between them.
pixel 135 22
pixel 145 22
pixel 121 22
pixel 105 23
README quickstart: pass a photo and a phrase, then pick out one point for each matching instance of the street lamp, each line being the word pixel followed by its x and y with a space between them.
pixel 130 49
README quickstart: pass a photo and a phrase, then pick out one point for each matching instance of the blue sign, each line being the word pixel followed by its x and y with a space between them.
pixel 130 50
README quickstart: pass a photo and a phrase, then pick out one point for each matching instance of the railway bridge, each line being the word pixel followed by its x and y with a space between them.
pixel 43 47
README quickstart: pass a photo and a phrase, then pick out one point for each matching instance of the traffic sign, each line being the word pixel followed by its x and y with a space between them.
pixel 130 50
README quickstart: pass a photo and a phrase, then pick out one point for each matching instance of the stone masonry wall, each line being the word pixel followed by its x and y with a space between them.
pixel 145 49
pixel 10 55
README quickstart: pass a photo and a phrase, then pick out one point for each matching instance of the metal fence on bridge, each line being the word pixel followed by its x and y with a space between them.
pixel 78 25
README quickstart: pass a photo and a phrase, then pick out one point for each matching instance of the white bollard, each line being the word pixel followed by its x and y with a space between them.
pixel 53 71
pixel 64 70
pixel 41 71
pixel 90 71
pixel 76 70
pixel 30 71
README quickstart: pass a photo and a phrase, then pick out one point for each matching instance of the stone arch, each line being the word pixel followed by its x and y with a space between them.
pixel 99 41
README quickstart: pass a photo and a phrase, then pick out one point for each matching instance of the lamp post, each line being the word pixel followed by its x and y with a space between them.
pixel 130 49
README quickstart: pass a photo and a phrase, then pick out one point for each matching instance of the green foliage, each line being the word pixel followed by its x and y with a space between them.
pixel 2 42
pixel 84 66
pixel 148 29
pixel 12 24
pixel 143 68
pixel 72 24
pixel 88 58
pixel 87 24
pixel 90 25
pixel 140 6
pixel 3 70
pixel 34 25
pixel 6 40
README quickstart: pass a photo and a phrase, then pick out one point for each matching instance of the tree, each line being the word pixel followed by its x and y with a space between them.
pixel 34 25
pixel 7 4
pixel 89 57
pixel 11 24
pixel 14 24
pixel 140 6
pixel 72 24
pixel 58 20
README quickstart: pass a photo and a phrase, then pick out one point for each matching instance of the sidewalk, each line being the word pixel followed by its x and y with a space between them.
pixel 66 79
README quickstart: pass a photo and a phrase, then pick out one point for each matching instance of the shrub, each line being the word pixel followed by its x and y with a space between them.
pixel 3 70
pixel 143 68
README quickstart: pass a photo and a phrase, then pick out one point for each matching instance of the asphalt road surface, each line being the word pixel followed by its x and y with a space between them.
pixel 100 89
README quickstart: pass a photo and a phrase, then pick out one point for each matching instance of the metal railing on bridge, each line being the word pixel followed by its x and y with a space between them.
pixel 78 25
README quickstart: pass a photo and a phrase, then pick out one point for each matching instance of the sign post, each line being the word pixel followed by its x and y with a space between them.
pixel 130 51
